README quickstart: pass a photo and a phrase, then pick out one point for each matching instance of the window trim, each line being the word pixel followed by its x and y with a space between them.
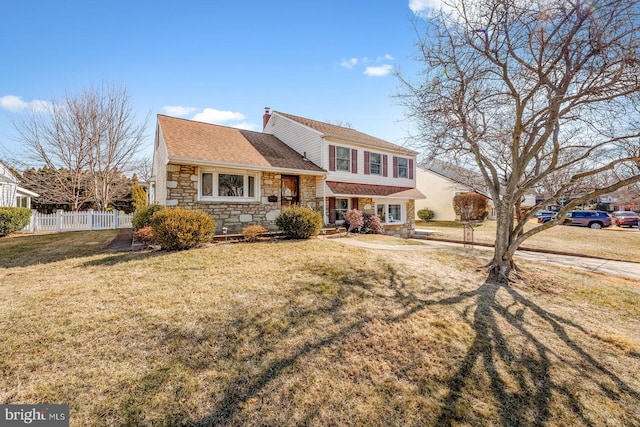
pixel 371 163
pixel 386 204
pixel 338 159
pixel 215 188
pixel 341 221
pixel 406 169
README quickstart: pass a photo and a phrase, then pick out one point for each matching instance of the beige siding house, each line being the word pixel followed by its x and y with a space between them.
pixel 242 177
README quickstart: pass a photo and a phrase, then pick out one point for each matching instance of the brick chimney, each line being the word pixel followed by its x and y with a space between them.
pixel 265 118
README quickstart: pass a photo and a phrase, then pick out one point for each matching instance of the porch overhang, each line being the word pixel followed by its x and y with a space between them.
pixel 348 189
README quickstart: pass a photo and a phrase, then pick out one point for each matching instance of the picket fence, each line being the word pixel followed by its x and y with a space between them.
pixel 75 221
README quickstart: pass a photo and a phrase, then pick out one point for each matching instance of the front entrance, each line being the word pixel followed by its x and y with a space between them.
pixel 289 194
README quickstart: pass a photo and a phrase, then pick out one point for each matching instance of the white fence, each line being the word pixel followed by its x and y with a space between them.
pixel 76 221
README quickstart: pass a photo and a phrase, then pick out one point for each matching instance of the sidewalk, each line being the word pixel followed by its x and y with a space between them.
pixel 629 270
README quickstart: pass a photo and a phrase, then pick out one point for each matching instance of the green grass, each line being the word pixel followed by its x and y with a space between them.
pixel 310 333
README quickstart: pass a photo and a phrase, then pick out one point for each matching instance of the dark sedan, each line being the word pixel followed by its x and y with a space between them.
pixel 625 218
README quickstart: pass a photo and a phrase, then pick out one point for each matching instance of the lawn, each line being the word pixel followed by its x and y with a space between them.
pixel 616 243
pixel 311 333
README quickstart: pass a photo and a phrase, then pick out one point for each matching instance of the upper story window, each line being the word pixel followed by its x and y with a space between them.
pixel 343 159
pixel 221 185
pixel 375 164
pixel 403 168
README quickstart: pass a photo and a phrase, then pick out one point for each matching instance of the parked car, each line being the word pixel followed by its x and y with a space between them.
pixel 591 219
pixel 625 218
pixel 544 216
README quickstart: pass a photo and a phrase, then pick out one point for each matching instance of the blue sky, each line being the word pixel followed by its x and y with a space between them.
pixel 220 61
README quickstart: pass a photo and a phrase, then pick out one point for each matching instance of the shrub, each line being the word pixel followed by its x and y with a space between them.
pixel 426 214
pixel 471 206
pixel 372 224
pixel 142 216
pixel 178 229
pixel 144 236
pixel 353 219
pixel 13 219
pixel 299 223
pixel 252 232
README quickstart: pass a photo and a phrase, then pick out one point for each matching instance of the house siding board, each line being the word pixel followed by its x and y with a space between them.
pixel 160 163
pixel 362 177
pixel 440 192
pixel 300 138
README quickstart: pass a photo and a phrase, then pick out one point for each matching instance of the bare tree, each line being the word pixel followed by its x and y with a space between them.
pixel 530 90
pixel 94 131
pixel 58 137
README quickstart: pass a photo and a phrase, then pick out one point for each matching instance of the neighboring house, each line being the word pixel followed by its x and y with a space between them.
pixel 11 194
pixel 442 181
pixel 243 177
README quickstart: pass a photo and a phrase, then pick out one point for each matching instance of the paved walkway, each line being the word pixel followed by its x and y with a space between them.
pixel 629 270
pixel 123 240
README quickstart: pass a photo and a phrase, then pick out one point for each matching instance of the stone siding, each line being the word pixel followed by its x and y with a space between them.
pixel 182 190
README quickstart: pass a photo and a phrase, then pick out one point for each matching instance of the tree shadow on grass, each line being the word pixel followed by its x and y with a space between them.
pixel 516 349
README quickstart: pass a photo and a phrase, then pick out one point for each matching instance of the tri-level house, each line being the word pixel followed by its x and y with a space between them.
pixel 242 177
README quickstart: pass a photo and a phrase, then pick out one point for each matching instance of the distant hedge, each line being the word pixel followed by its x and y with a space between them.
pixel 13 219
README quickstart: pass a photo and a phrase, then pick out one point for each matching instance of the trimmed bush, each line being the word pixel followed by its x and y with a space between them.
pixel 144 236
pixel 253 232
pixel 299 223
pixel 426 214
pixel 178 229
pixel 142 217
pixel 13 219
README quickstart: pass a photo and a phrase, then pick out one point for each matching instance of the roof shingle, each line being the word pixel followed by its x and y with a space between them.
pixel 371 190
pixel 347 134
pixel 197 141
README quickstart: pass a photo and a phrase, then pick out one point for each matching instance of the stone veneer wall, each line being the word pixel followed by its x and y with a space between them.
pixel 182 191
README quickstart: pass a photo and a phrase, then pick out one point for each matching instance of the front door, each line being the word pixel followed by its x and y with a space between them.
pixel 289 191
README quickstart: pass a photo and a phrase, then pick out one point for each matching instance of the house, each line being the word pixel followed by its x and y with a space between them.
pixel 11 194
pixel 242 177
pixel 442 181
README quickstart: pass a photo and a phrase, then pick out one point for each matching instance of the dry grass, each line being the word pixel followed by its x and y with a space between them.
pixel 615 243
pixel 308 333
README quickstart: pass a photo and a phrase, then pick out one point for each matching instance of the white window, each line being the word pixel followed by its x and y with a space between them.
pixel 390 213
pixel 375 164
pixel 226 186
pixel 403 168
pixel 343 159
pixel 22 202
pixel 342 206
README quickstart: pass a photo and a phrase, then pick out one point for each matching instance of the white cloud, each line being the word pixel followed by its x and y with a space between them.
pixel 244 125
pixel 178 110
pixel 387 57
pixel 378 71
pixel 349 63
pixel 421 7
pixel 211 115
pixel 15 103
pixel 226 118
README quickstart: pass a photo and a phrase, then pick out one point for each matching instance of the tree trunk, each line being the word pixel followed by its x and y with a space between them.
pixel 502 264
